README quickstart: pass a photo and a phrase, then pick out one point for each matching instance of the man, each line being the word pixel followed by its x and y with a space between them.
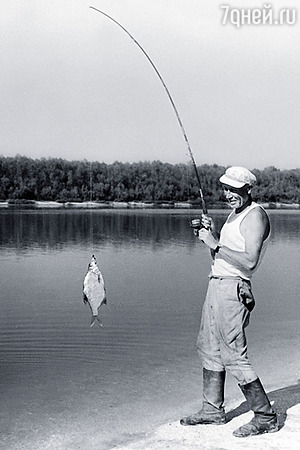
pixel 221 343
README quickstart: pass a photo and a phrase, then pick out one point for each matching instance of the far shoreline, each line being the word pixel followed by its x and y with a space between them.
pixel 135 205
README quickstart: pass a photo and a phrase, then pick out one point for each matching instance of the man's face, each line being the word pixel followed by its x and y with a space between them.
pixel 236 197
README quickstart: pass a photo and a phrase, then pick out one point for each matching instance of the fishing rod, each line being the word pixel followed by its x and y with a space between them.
pixel 204 208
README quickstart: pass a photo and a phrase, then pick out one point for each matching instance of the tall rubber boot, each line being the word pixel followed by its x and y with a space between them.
pixel 212 411
pixel 265 419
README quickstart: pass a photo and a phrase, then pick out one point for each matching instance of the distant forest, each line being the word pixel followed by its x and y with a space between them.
pixel 52 179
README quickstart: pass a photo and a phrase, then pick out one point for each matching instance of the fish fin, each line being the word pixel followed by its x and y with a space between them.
pixel 94 320
pixel 85 299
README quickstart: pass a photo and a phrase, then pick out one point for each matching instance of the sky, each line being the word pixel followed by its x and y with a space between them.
pixel 74 85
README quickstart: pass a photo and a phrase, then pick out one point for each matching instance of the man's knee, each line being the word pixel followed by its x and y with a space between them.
pixel 211 361
pixel 241 370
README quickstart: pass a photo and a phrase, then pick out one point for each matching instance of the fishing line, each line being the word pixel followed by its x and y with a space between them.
pixel 172 103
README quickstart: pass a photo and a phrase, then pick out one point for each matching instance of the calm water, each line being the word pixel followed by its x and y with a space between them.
pixel 65 385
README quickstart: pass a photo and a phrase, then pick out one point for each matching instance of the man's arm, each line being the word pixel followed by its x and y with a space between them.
pixel 213 235
pixel 255 228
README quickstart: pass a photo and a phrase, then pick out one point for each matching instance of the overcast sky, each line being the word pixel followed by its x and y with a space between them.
pixel 74 85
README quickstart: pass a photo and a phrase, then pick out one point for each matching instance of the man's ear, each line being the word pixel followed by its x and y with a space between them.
pixel 249 189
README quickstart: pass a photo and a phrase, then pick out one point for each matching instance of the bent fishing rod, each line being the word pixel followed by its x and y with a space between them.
pixel 204 208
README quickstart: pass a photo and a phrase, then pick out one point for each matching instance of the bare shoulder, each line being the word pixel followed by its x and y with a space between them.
pixel 258 219
pixel 259 213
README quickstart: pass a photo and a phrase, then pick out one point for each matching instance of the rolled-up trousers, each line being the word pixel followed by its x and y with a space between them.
pixel 221 342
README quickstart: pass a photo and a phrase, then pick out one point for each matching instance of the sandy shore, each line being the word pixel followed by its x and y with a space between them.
pixel 211 437
pixel 174 436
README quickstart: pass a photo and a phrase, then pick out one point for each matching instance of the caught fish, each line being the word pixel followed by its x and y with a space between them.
pixel 94 292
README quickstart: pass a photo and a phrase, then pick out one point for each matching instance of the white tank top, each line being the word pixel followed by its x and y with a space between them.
pixel 232 238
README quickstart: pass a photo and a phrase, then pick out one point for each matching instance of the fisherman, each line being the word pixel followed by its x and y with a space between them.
pixel 221 342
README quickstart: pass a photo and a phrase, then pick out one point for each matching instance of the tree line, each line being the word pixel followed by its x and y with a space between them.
pixel 55 179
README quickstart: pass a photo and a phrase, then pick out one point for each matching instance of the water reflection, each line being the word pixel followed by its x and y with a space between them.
pixel 57 229
pixel 156 275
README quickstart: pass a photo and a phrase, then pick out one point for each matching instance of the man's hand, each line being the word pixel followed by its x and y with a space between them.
pixel 206 222
pixel 207 237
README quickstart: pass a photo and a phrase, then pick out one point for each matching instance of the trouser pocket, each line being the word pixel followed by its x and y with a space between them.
pixel 245 294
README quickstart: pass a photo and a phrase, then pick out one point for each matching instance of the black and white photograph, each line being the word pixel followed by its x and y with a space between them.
pixel 149 225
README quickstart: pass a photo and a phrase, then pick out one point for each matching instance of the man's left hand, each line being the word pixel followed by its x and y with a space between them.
pixel 208 239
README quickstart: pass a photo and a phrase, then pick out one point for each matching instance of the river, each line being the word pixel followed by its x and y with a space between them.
pixel 65 385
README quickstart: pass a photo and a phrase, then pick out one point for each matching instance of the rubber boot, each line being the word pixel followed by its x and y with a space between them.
pixel 212 411
pixel 265 419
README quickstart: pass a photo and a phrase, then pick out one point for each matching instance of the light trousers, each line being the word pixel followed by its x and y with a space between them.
pixel 221 342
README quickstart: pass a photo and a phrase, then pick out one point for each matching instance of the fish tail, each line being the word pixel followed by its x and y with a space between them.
pixel 96 319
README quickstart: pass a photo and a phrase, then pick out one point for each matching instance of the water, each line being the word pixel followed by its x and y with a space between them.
pixel 65 385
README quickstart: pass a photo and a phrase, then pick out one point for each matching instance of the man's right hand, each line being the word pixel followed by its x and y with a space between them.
pixel 207 222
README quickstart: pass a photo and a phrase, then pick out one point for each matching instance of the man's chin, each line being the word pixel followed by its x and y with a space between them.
pixel 233 205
